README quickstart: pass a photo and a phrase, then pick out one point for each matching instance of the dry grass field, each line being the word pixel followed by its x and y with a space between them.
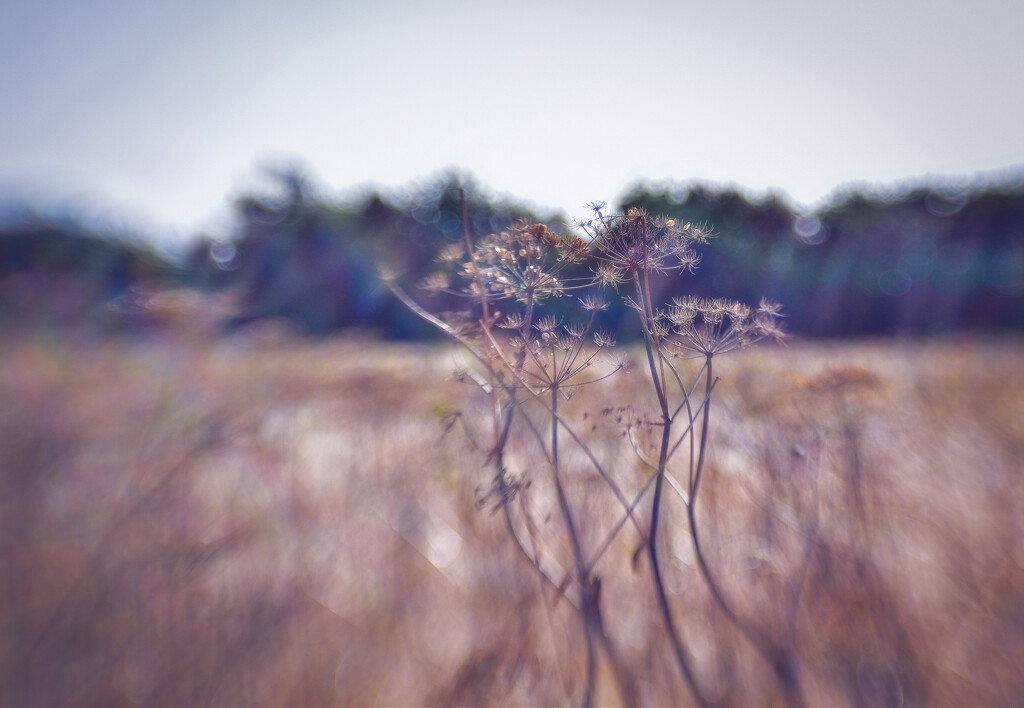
pixel 262 520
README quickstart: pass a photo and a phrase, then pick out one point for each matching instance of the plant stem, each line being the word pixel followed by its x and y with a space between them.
pixel 582 570
pixel 779 658
pixel 650 344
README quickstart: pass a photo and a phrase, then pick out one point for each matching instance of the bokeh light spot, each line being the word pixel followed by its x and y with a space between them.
pixel 810 229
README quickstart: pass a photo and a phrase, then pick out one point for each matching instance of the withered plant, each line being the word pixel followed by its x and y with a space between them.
pixel 528 360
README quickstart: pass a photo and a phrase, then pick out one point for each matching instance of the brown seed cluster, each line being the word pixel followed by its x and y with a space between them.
pixel 525 264
pixel 629 245
pixel 697 326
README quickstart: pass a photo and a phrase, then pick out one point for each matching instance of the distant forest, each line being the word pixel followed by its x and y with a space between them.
pixel 914 260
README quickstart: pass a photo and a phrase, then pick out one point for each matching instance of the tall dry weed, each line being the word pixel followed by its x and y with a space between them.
pixel 247 522
pixel 507 279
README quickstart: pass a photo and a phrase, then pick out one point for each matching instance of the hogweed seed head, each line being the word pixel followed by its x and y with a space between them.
pixel 435 282
pixel 636 243
pixel 513 321
pixel 522 263
pixel 706 327
pixel 546 324
pixel 609 275
pixel 604 339
pixel 452 253
pixel 593 304
pixel 575 331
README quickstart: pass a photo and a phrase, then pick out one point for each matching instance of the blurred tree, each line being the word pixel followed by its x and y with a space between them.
pixel 55 272
pixel 315 262
pixel 916 261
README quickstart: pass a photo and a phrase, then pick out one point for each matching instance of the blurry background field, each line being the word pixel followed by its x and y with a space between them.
pixel 236 470
pixel 258 519
pixel 246 475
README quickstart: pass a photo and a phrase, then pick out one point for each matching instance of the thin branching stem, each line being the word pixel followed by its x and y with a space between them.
pixel 774 655
pixel 583 572
pixel 530 371
pixel 616 490
pixel 650 345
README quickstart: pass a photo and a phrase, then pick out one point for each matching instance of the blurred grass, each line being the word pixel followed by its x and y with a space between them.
pixel 265 521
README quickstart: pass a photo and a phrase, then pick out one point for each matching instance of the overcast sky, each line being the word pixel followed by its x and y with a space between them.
pixel 161 111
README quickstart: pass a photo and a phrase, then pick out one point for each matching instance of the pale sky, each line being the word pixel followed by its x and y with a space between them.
pixel 160 111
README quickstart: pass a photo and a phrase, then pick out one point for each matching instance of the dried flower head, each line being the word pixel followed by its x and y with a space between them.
pixel 523 263
pixel 635 243
pixel 706 327
pixel 593 304
pixel 435 282
pixel 546 324
pixel 603 339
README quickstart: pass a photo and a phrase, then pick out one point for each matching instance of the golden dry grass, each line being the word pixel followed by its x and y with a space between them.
pixel 259 521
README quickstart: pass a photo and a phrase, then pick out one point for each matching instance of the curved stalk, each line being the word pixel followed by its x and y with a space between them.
pixel 583 572
pixel 650 345
pixel 778 658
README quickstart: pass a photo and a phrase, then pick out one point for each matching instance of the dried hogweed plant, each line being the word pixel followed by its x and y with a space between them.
pixel 630 248
pixel 527 361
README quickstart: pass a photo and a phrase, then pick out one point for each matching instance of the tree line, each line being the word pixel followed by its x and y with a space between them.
pixel 914 260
